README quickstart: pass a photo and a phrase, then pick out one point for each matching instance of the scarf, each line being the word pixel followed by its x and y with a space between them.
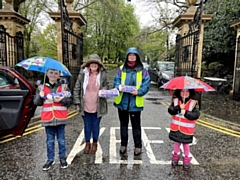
pixel 86 78
pixel 132 64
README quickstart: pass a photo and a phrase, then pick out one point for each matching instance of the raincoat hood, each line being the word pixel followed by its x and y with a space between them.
pixel 138 60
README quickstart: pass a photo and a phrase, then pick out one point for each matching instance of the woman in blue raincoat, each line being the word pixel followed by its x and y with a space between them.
pixel 132 73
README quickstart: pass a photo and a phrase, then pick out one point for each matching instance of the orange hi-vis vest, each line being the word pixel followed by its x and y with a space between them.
pixel 51 109
pixel 179 122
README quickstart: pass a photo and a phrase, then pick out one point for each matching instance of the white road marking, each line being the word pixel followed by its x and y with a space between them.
pixel 193 161
pixel 147 143
pixel 78 148
pixel 99 153
pixel 115 158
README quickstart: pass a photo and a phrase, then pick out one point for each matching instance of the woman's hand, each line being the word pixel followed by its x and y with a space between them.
pixel 135 92
pixel 77 107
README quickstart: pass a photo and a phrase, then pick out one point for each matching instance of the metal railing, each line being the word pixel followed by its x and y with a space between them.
pixel 11 48
pixel 72 46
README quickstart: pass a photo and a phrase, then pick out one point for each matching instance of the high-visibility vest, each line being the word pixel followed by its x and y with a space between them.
pixel 51 109
pixel 139 99
pixel 179 122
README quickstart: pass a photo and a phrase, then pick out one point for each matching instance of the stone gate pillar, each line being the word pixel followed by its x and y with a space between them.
pixel 182 23
pixel 236 75
pixel 13 24
pixel 11 20
pixel 76 18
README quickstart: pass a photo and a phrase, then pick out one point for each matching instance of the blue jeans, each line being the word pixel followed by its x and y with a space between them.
pixel 91 126
pixel 51 132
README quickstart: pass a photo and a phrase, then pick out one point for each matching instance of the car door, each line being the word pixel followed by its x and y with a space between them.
pixel 16 102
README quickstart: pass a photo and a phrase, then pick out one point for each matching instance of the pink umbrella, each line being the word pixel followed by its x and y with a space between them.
pixel 186 82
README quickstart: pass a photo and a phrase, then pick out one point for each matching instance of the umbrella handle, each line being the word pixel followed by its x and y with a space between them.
pixel 44 79
pixel 184 97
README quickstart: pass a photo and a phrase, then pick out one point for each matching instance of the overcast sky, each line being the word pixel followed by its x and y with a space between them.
pixel 143 12
pixel 148 14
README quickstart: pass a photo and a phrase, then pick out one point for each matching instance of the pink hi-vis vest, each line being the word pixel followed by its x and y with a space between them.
pixel 179 122
pixel 51 109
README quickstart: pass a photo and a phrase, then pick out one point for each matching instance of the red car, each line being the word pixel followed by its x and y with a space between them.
pixel 16 102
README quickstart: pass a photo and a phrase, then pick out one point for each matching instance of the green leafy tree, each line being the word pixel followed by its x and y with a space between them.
pixel 110 29
pixel 45 43
pixel 219 37
pixel 35 11
pixel 155 39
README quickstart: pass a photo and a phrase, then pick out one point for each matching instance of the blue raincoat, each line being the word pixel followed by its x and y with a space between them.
pixel 128 102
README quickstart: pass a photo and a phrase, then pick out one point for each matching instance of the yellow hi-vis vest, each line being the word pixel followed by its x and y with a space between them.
pixel 139 99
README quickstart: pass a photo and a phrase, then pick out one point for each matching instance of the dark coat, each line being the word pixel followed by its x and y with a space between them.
pixel 178 136
pixel 78 97
pixel 66 101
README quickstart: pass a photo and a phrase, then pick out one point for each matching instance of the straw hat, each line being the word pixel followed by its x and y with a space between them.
pixel 93 58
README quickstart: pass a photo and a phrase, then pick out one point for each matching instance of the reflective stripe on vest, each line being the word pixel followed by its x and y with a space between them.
pixel 52 109
pixel 179 122
pixel 183 124
pixel 139 99
pixel 46 109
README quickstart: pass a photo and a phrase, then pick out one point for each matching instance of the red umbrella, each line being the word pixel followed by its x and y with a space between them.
pixel 186 82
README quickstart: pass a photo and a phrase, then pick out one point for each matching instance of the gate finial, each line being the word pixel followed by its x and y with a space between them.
pixel 69 5
pixel 191 2
pixel 8 5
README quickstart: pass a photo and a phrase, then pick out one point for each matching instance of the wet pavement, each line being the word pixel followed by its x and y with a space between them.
pixel 216 154
pixel 221 106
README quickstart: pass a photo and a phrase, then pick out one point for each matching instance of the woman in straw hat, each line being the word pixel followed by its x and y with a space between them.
pixel 91 79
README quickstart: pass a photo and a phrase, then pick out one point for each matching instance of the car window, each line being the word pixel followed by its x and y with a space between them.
pixel 145 65
pixel 8 81
pixel 166 66
pixel 154 65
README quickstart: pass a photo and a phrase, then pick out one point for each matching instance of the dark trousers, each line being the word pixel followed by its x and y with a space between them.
pixel 135 118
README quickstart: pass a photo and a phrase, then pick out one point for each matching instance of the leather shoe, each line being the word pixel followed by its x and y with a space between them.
pixel 137 151
pixel 123 149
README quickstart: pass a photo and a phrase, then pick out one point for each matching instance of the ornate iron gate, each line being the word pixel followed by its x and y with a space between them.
pixel 186 51
pixel 72 46
pixel 11 48
pixel 236 92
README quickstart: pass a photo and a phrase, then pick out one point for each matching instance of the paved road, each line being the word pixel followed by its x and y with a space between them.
pixel 216 154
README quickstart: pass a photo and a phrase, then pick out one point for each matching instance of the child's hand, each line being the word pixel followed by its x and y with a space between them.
pixel 183 111
pixel 57 98
pixel 182 106
pixel 41 94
